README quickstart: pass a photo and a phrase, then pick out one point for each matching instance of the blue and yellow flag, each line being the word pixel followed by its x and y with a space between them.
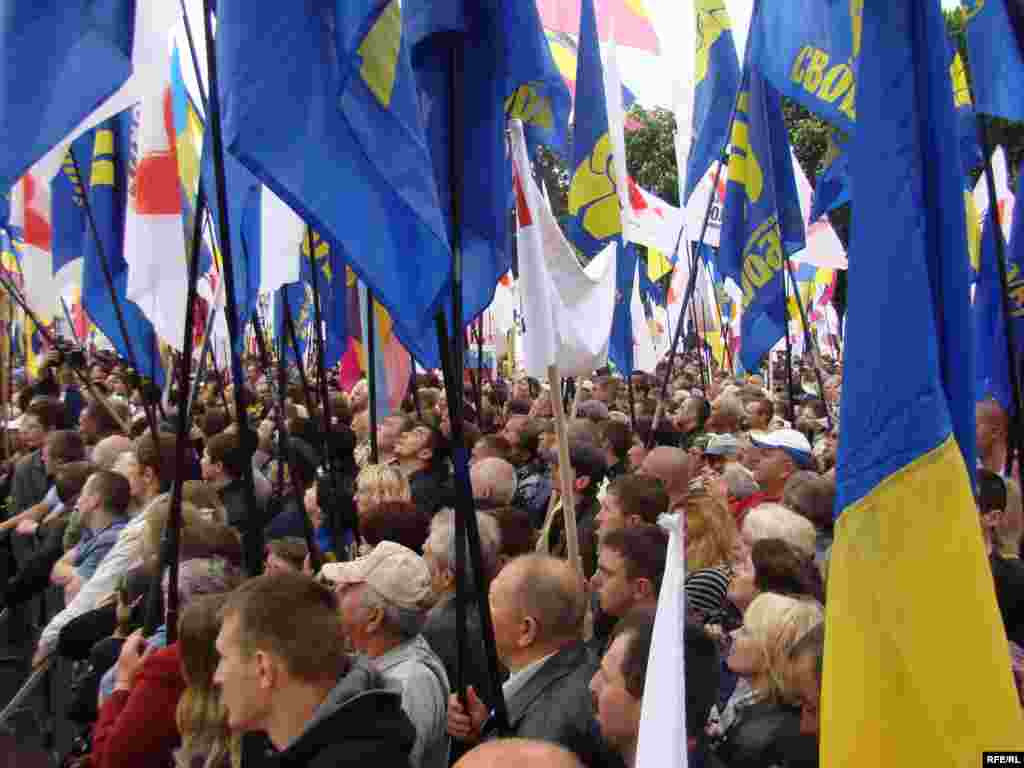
pixel 908 542
pixel 108 196
pixel 997 65
pixel 595 218
pixel 716 81
pixel 319 102
pixel 333 294
pixel 67 199
pixel 809 50
pixel 505 68
pixel 539 95
pixel 59 60
pixel 761 220
pixel 299 305
pixel 188 132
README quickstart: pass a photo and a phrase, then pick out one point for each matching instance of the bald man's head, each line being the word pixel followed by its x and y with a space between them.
pixel 493 481
pixel 500 753
pixel 671 466
pixel 545 589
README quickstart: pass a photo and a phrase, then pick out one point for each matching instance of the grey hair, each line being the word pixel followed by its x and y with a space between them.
pixel 407 622
pixel 441 542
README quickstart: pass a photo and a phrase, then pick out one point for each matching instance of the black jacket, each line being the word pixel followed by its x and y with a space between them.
pixel 359 725
pixel 767 733
pixel 29 484
pixel 430 492
pixel 249 523
pixel 555 705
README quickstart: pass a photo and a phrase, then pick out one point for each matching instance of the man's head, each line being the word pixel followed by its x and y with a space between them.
pixel 418 447
pixel 538 604
pixel 107 451
pixel 156 463
pixel 726 414
pixel 760 413
pixel 493 482
pixel 440 551
pixel 806 664
pixel 617 439
pixel 382 597
pixel 223 460
pixel 286 555
pixel 693 414
pixel 618 685
pixel 588 466
pixel 500 753
pixel 630 566
pixel 389 430
pixel 266 653
pixel 991 426
pixel 631 500
pixel 105 497
pixel 60 447
pixel 605 389
pixel 992 499
pixel 96 422
pixel 673 467
pixel 43 415
pixel 780 454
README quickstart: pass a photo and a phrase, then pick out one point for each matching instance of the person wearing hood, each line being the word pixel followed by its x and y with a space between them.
pixel 289 687
pixel 383 599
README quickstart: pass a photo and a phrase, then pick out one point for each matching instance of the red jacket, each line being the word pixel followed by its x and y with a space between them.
pixel 137 728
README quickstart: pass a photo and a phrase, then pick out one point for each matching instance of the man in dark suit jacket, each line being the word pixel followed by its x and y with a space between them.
pixel 538 604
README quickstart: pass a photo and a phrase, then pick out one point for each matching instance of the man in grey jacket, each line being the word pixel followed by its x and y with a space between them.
pixel 538 605
pixel 383 599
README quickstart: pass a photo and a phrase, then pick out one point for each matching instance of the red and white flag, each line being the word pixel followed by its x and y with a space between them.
pixel 154 241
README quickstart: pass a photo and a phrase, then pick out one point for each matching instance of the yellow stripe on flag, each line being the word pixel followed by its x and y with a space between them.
pixel 917 533
pixel 658 264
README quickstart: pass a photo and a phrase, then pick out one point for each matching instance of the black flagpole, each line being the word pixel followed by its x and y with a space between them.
pixel 252 535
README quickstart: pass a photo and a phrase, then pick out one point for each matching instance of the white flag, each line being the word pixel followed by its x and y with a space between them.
pixel 567 310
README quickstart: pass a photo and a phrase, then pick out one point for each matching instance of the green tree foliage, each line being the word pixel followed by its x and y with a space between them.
pixel 650 151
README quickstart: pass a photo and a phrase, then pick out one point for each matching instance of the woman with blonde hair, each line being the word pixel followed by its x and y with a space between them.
pixel 763 728
pixel 710 541
pixel 206 741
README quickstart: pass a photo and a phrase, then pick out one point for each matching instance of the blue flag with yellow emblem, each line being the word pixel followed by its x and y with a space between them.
pixel 60 59
pixel 332 289
pixel 67 203
pixel 808 50
pixel 716 80
pixel 907 518
pixel 595 218
pixel 320 103
pixel 761 220
pixel 294 299
pixel 108 197
pixel 505 69
pixel 997 65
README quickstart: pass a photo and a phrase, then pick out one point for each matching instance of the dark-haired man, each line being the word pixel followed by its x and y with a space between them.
pixel 1008 573
pixel 588 466
pixel 317 706
pixel 420 457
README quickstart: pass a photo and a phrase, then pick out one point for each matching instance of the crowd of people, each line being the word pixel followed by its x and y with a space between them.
pixel 318 622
